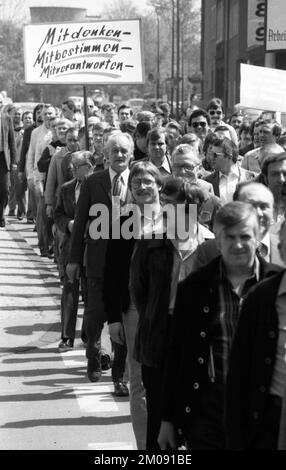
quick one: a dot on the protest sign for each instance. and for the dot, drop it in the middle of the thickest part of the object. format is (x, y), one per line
(104, 52)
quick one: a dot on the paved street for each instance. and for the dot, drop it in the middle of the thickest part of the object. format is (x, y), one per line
(46, 400)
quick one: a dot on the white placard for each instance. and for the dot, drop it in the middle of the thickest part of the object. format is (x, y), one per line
(263, 88)
(275, 34)
(104, 52)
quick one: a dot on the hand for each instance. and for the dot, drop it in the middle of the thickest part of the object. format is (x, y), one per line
(73, 271)
(116, 332)
(49, 211)
(167, 436)
(70, 225)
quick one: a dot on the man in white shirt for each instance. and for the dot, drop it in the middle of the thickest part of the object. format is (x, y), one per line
(262, 199)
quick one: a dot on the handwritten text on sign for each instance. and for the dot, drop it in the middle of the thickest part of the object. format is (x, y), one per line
(97, 52)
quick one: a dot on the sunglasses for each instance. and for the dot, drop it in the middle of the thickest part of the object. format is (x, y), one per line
(212, 112)
(199, 124)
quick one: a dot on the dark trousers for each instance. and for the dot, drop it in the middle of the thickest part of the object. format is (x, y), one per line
(206, 430)
(266, 437)
(4, 185)
(69, 308)
(152, 380)
(17, 194)
(95, 319)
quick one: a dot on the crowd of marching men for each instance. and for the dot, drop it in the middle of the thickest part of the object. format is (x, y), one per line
(195, 297)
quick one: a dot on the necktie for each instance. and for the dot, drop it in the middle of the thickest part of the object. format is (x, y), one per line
(77, 191)
(118, 186)
(262, 249)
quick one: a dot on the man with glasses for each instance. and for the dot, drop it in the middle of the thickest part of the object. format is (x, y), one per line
(227, 173)
(186, 164)
(216, 114)
(82, 167)
(199, 123)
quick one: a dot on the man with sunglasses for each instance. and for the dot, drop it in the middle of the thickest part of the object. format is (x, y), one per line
(199, 123)
(227, 173)
(216, 114)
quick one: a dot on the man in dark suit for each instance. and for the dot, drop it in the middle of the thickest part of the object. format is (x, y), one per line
(82, 166)
(205, 318)
(227, 172)
(7, 161)
(109, 189)
(256, 377)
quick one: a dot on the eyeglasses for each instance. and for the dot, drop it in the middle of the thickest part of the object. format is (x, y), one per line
(136, 183)
(199, 124)
(218, 154)
(186, 169)
(76, 167)
(212, 112)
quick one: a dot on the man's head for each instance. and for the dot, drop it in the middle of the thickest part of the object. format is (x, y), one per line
(27, 119)
(90, 106)
(108, 111)
(145, 116)
(72, 140)
(157, 145)
(61, 126)
(199, 123)
(236, 227)
(129, 126)
(82, 164)
(119, 150)
(124, 113)
(16, 115)
(215, 111)
(225, 154)
(261, 198)
(274, 172)
(144, 182)
(48, 113)
(236, 120)
(97, 136)
(244, 135)
(68, 109)
(37, 114)
(173, 135)
(269, 132)
(186, 162)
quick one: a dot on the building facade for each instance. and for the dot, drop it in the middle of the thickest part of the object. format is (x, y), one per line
(232, 33)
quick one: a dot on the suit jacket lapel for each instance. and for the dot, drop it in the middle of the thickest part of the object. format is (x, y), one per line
(106, 183)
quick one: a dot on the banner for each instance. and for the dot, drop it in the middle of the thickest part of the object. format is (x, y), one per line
(263, 88)
(275, 34)
(103, 52)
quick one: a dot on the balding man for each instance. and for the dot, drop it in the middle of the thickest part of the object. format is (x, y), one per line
(105, 188)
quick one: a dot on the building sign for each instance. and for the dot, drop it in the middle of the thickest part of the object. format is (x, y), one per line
(255, 25)
(275, 35)
(263, 88)
(102, 52)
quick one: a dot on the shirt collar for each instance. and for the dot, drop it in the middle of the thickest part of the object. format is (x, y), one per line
(166, 165)
(234, 173)
(124, 175)
(255, 270)
(266, 241)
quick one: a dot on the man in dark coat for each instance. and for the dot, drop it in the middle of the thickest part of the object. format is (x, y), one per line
(205, 319)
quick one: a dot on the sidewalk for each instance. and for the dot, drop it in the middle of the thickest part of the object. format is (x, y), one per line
(46, 400)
